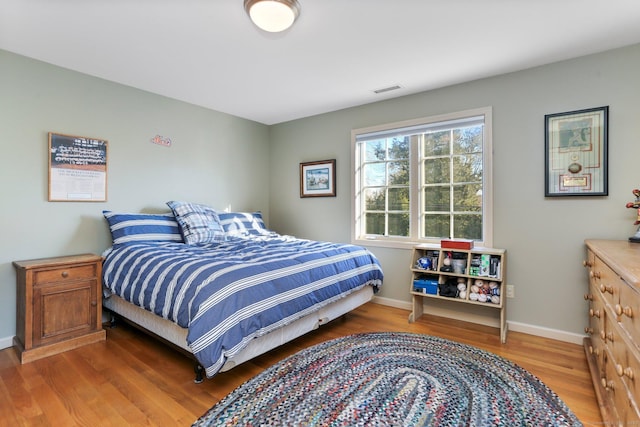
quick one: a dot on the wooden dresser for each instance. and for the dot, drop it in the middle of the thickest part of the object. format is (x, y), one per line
(613, 342)
(59, 305)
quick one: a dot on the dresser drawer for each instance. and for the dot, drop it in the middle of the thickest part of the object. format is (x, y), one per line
(71, 272)
(628, 313)
(597, 315)
(619, 394)
(606, 281)
(625, 363)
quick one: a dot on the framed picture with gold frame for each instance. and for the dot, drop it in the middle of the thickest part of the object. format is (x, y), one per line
(77, 168)
(318, 179)
(576, 144)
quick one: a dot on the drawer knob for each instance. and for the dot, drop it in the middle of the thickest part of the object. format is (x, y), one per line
(588, 330)
(594, 313)
(65, 274)
(606, 288)
(588, 297)
(606, 336)
(627, 311)
(628, 372)
(594, 274)
(618, 309)
(607, 384)
(586, 263)
(94, 303)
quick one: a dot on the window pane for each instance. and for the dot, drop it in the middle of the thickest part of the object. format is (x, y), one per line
(468, 226)
(399, 148)
(437, 199)
(467, 140)
(467, 198)
(399, 224)
(467, 168)
(436, 171)
(399, 199)
(437, 226)
(374, 199)
(374, 174)
(436, 143)
(398, 173)
(374, 150)
(374, 223)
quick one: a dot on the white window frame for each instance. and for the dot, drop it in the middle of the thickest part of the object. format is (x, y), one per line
(358, 237)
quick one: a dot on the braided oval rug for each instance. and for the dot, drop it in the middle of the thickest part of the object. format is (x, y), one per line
(392, 379)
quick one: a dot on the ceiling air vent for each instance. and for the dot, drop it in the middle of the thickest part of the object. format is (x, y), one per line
(387, 89)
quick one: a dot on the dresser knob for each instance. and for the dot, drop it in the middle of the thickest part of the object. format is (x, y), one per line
(606, 384)
(618, 309)
(94, 303)
(628, 311)
(629, 373)
(588, 330)
(606, 336)
(606, 288)
(594, 274)
(588, 297)
(586, 263)
(594, 313)
(65, 274)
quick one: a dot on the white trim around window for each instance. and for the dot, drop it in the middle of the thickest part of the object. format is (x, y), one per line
(413, 127)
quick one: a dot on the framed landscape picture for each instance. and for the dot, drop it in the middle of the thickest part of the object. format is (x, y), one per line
(318, 179)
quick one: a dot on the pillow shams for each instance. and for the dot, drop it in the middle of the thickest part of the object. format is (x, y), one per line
(198, 223)
(133, 227)
(242, 223)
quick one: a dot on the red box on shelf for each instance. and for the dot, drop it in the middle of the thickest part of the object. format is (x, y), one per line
(456, 244)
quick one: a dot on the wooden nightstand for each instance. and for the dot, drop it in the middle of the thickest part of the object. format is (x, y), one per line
(59, 305)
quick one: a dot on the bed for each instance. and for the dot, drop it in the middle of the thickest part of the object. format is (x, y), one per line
(222, 287)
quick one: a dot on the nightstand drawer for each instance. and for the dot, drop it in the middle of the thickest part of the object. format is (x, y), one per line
(71, 272)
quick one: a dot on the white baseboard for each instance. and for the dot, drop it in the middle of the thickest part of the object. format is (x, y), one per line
(539, 331)
(459, 315)
(6, 342)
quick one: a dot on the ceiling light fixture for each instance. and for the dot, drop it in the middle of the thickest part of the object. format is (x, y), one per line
(272, 15)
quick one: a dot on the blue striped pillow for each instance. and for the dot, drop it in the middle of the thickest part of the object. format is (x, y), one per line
(242, 223)
(198, 223)
(134, 227)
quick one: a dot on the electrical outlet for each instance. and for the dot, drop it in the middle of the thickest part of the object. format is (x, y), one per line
(511, 291)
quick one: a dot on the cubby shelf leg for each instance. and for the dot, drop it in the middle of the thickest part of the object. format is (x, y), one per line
(417, 309)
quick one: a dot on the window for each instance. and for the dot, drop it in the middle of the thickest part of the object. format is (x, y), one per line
(423, 180)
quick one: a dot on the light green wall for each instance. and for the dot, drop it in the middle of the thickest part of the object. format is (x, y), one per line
(543, 237)
(215, 158)
(226, 161)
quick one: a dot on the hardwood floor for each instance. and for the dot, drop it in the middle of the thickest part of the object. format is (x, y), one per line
(132, 379)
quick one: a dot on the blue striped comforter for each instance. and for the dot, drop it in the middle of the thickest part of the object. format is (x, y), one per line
(227, 293)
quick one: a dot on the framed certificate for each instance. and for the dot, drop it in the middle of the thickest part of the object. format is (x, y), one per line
(576, 153)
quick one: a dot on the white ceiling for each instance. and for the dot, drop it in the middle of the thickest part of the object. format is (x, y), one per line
(208, 53)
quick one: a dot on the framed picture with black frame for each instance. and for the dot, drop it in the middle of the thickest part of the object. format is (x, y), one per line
(576, 144)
